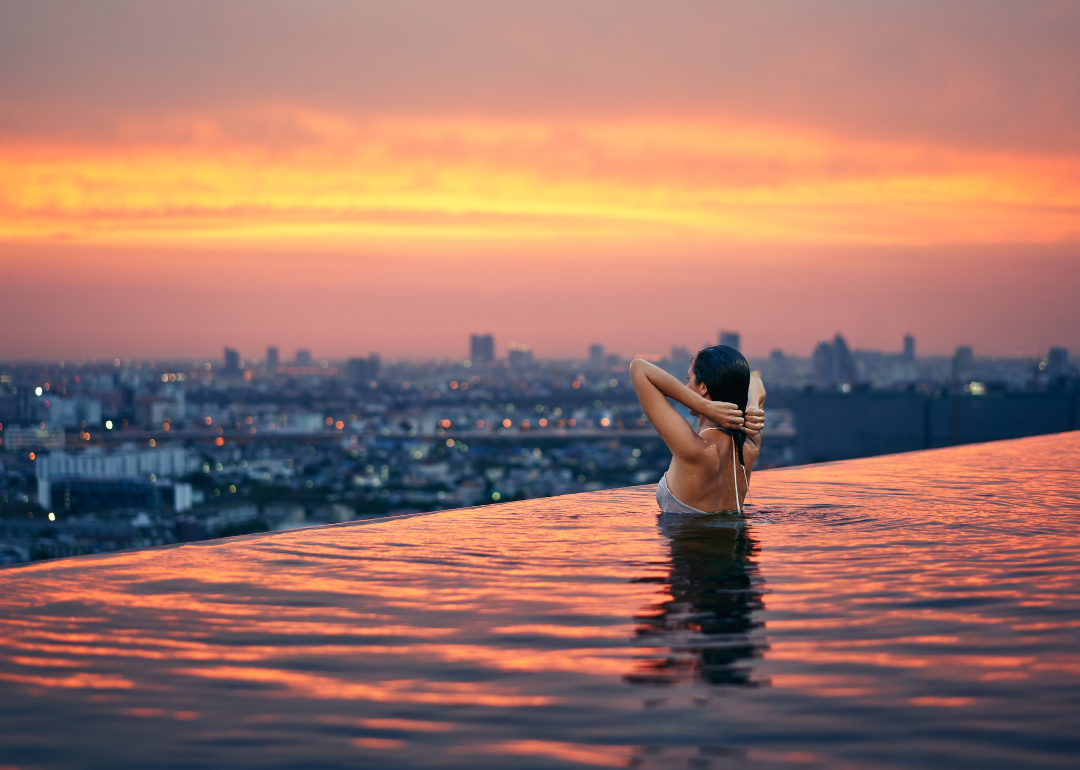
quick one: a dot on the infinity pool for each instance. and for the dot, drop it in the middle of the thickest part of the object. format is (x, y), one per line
(917, 610)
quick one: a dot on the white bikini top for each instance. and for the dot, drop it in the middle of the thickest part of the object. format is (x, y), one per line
(734, 471)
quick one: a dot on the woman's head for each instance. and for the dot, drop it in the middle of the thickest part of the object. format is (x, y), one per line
(726, 377)
(724, 373)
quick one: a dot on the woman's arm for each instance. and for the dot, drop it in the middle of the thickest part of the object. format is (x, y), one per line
(755, 403)
(755, 416)
(654, 386)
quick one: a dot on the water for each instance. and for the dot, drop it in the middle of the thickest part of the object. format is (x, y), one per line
(918, 610)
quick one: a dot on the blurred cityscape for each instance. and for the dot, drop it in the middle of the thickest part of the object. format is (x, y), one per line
(105, 455)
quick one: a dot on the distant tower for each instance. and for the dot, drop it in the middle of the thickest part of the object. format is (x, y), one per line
(1057, 363)
(482, 348)
(680, 362)
(778, 366)
(824, 367)
(843, 362)
(731, 339)
(520, 354)
(303, 358)
(272, 359)
(909, 347)
(963, 360)
(232, 363)
(596, 356)
(362, 371)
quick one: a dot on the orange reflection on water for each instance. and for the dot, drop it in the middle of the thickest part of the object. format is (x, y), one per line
(890, 591)
(403, 691)
(81, 681)
(601, 756)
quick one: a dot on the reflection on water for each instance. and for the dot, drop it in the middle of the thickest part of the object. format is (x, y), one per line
(704, 625)
(921, 610)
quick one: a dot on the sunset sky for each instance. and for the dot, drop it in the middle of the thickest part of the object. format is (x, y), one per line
(392, 176)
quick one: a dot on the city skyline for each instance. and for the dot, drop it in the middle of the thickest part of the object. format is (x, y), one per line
(500, 349)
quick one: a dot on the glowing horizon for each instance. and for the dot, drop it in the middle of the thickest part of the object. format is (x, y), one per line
(342, 183)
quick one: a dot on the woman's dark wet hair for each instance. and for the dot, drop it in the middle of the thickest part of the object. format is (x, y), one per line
(727, 378)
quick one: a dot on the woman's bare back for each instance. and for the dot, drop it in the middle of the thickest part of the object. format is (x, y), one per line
(711, 480)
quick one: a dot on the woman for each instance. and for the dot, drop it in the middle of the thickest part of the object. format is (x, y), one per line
(710, 469)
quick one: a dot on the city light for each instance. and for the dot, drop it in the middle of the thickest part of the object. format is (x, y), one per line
(604, 437)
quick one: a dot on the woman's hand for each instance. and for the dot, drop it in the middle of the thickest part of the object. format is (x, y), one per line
(754, 422)
(722, 413)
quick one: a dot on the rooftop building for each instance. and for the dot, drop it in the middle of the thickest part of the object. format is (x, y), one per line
(731, 339)
(482, 348)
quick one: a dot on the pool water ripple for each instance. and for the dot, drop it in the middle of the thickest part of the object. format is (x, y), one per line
(918, 610)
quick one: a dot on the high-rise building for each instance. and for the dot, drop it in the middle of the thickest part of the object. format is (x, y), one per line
(778, 365)
(833, 363)
(303, 358)
(843, 362)
(731, 339)
(596, 356)
(823, 364)
(520, 354)
(482, 348)
(362, 371)
(232, 363)
(1057, 363)
(273, 360)
(680, 361)
(909, 347)
(963, 362)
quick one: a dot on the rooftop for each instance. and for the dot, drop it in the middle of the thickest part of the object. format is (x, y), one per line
(904, 611)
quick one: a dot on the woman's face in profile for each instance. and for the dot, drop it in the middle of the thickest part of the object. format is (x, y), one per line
(692, 382)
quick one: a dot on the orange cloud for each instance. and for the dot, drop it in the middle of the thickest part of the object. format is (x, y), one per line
(295, 177)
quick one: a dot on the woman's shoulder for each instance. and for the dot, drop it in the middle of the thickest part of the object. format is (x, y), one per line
(720, 438)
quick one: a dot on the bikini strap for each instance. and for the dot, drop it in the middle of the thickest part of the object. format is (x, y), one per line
(734, 467)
